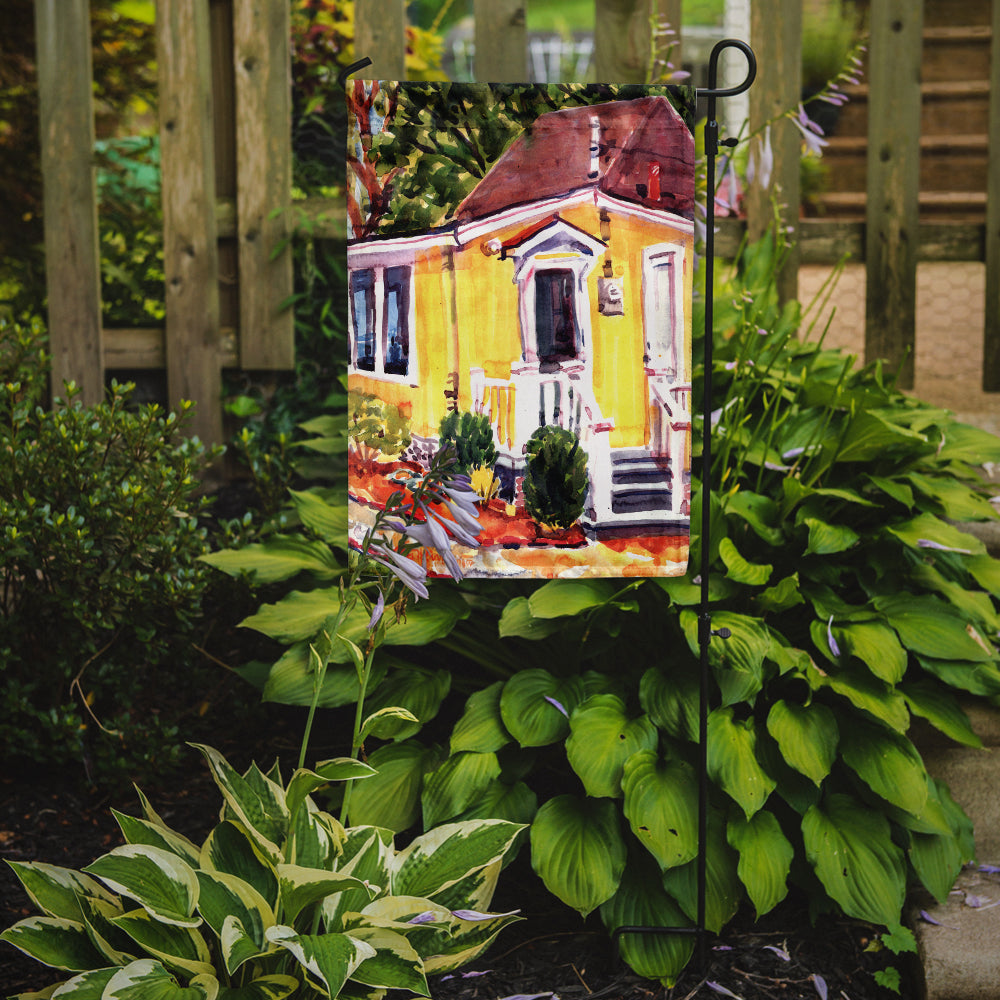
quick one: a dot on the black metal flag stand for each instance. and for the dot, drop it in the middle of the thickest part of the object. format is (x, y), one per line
(705, 631)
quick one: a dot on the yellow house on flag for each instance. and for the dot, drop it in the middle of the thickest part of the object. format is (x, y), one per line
(547, 324)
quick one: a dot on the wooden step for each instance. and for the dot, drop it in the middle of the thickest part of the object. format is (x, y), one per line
(955, 206)
(956, 53)
(940, 13)
(947, 162)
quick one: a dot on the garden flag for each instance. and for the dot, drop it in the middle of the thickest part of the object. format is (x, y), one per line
(520, 261)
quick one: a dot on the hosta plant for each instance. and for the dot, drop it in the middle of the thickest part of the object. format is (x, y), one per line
(279, 900)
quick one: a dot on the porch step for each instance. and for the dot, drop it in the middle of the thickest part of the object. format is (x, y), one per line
(640, 483)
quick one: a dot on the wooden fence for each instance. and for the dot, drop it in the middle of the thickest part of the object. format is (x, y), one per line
(226, 161)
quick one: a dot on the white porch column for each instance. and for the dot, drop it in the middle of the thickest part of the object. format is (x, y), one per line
(736, 24)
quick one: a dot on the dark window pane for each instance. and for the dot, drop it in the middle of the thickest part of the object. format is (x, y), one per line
(363, 314)
(397, 319)
(555, 315)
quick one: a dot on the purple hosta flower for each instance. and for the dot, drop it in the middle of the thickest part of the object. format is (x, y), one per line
(780, 952)
(465, 975)
(475, 915)
(812, 134)
(377, 612)
(552, 701)
(531, 996)
(834, 648)
(719, 988)
(927, 543)
(427, 917)
(760, 166)
(431, 535)
(820, 983)
(927, 918)
(409, 573)
(727, 197)
(990, 869)
(792, 453)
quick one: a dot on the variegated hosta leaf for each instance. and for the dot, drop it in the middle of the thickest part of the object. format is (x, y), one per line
(86, 986)
(481, 727)
(256, 801)
(56, 891)
(141, 831)
(602, 737)
(367, 853)
(535, 706)
(395, 964)
(468, 939)
(732, 760)
(224, 898)
(328, 959)
(55, 941)
(578, 851)
(158, 880)
(230, 849)
(116, 946)
(723, 889)
(456, 784)
(476, 890)
(441, 857)
(301, 887)
(149, 980)
(807, 736)
(642, 902)
(661, 805)
(765, 858)
(304, 782)
(315, 838)
(850, 847)
(275, 987)
(177, 947)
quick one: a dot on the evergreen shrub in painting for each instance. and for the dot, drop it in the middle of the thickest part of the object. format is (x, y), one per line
(471, 435)
(555, 478)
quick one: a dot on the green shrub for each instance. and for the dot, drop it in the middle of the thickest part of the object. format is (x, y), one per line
(377, 426)
(555, 478)
(471, 435)
(99, 539)
(280, 899)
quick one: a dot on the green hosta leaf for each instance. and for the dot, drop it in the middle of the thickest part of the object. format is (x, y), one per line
(578, 851)
(292, 681)
(56, 891)
(807, 736)
(974, 604)
(517, 620)
(180, 948)
(893, 488)
(758, 511)
(304, 782)
(941, 709)
(260, 809)
(723, 889)
(937, 859)
(230, 849)
(876, 646)
(932, 628)
(957, 501)
(330, 959)
(869, 436)
(391, 798)
(928, 528)
(888, 763)
(456, 784)
(976, 678)
(417, 690)
(827, 539)
(850, 847)
(438, 859)
(783, 595)
(149, 980)
(641, 901)
(481, 728)
(535, 706)
(516, 803)
(965, 443)
(141, 831)
(386, 723)
(671, 699)
(865, 692)
(280, 557)
(986, 572)
(738, 661)
(560, 598)
(160, 882)
(739, 569)
(276, 987)
(395, 964)
(661, 799)
(301, 887)
(765, 858)
(602, 738)
(54, 941)
(327, 520)
(225, 897)
(732, 760)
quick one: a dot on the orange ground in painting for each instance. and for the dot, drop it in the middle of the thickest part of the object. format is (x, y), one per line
(514, 545)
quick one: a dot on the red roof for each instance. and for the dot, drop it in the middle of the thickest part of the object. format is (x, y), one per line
(640, 151)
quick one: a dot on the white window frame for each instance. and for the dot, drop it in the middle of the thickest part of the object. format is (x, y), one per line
(659, 364)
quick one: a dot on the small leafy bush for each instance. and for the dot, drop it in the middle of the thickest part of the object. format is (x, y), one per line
(555, 478)
(376, 426)
(471, 435)
(280, 899)
(99, 578)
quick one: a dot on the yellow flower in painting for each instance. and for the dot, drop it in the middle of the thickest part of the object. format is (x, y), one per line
(484, 484)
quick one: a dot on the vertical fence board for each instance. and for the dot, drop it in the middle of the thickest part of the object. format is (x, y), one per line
(776, 34)
(501, 41)
(991, 333)
(621, 40)
(261, 57)
(667, 47)
(380, 34)
(190, 254)
(893, 183)
(72, 256)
